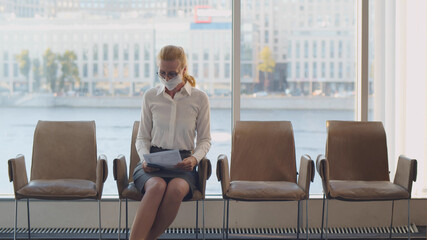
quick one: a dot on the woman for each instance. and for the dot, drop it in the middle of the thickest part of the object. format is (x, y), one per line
(171, 116)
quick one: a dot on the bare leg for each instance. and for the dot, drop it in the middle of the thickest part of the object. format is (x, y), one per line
(176, 190)
(154, 190)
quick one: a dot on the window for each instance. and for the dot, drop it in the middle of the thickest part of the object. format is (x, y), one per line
(206, 54)
(323, 70)
(136, 52)
(85, 53)
(5, 70)
(205, 70)
(146, 52)
(116, 52)
(306, 70)
(95, 70)
(306, 49)
(126, 52)
(15, 70)
(146, 70)
(314, 70)
(314, 49)
(106, 70)
(105, 52)
(227, 70)
(136, 70)
(323, 49)
(304, 76)
(95, 52)
(316, 37)
(85, 70)
(195, 70)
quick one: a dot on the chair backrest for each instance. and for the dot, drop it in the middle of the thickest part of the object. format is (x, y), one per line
(263, 151)
(357, 151)
(64, 150)
(134, 157)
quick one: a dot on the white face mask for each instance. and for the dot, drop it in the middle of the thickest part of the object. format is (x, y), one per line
(172, 83)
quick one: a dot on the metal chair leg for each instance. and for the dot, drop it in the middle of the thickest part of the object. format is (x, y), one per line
(323, 216)
(99, 218)
(197, 219)
(120, 217)
(306, 219)
(409, 219)
(228, 210)
(127, 227)
(223, 220)
(203, 215)
(16, 219)
(28, 216)
(327, 212)
(391, 220)
(298, 219)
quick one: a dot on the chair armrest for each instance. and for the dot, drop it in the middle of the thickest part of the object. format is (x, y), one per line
(205, 171)
(322, 166)
(306, 175)
(101, 174)
(223, 174)
(17, 172)
(120, 173)
(406, 172)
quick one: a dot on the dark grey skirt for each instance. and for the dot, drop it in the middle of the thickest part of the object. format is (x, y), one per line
(140, 177)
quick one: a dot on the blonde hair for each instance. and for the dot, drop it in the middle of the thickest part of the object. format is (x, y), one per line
(171, 53)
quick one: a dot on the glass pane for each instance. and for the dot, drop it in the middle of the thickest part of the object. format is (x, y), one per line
(296, 70)
(111, 63)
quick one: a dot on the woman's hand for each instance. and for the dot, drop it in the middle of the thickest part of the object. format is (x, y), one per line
(187, 164)
(148, 169)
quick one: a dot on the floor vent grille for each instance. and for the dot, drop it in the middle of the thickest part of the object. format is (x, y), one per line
(400, 232)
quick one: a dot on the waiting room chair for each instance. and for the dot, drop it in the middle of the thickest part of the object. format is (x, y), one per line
(355, 167)
(263, 167)
(64, 166)
(127, 189)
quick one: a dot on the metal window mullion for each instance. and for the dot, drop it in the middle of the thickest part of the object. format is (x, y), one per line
(362, 60)
(235, 81)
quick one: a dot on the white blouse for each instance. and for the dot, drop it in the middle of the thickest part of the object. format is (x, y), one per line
(173, 123)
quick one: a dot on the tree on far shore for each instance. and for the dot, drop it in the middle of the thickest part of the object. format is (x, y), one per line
(37, 74)
(267, 65)
(24, 63)
(69, 69)
(50, 69)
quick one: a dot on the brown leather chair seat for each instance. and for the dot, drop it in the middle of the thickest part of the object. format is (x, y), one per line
(131, 192)
(265, 191)
(366, 190)
(59, 189)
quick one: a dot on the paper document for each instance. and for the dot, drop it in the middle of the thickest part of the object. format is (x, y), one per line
(163, 160)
